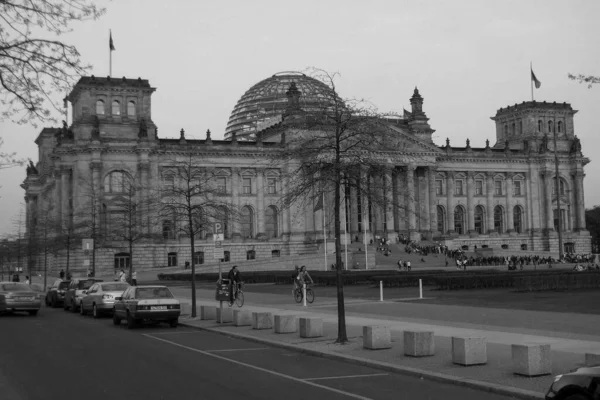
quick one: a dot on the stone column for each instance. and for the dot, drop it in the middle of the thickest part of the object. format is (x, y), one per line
(432, 202)
(144, 195)
(580, 203)
(426, 214)
(353, 211)
(533, 199)
(470, 207)
(234, 223)
(65, 195)
(389, 203)
(260, 204)
(285, 229)
(364, 176)
(548, 201)
(509, 203)
(489, 189)
(410, 194)
(57, 203)
(450, 202)
(377, 207)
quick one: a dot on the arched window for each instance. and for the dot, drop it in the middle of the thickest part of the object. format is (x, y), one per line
(441, 219)
(117, 182)
(479, 220)
(514, 129)
(561, 185)
(499, 219)
(247, 219)
(520, 127)
(222, 215)
(505, 129)
(518, 219)
(459, 220)
(539, 125)
(563, 219)
(550, 126)
(99, 107)
(271, 222)
(131, 109)
(167, 229)
(559, 127)
(116, 107)
(200, 222)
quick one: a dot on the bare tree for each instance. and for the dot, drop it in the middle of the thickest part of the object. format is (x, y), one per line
(9, 160)
(193, 202)
(88, 217)
(65, 239)
(46, 242)
(590, 80)
(33, 69)
(341, 145)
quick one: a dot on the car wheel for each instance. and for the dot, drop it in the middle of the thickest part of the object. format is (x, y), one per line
(81, 309)
(53, 304)
(130, 321)
(95, 311)
(33, 313)
(65, 306)
(73, 307)
(173, 323)
(577, 397)
(116, 320)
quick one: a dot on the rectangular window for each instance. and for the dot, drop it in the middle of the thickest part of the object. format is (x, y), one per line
(247, 185)
(458, 188)
(222, 185)
(271, 185)
(478, 188)
(169, 182)
(517, 188)
(498, 188)
(439, 187)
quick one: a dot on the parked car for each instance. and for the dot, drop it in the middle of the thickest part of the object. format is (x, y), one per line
(16, 296)
(74, 294)
(100, 297)
(147, 303)
(581, 384)
(55, 296)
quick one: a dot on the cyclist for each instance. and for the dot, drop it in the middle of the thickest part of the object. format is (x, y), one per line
(303, 276)
(233, 276)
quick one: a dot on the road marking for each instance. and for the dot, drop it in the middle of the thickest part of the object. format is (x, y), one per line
(224, 350)
(344, 377)
(175, 333)
(292, 378)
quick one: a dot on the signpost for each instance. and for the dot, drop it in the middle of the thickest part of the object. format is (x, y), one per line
(218, 237)
(87, 245)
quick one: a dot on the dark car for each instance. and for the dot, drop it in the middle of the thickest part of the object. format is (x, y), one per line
(76, 290)
(16, 296)
(146, 303)
(55, 296)
(581, 384)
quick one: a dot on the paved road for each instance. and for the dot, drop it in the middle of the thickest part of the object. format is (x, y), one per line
(60, 355)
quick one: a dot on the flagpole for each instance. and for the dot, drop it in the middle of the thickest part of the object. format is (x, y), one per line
(531, 80)
(324, 232)
(110, 54)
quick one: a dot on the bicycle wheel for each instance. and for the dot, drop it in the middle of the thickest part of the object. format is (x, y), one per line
(239, 300)
(298, 295)
(310, 295)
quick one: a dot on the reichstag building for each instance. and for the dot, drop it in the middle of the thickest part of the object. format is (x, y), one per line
(501, 196)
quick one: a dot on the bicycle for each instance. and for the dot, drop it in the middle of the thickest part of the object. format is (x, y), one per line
(238, 296)
(310, 295)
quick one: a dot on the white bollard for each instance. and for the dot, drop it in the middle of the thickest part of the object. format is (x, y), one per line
(304, 293)
(380, 290)
(420, 289)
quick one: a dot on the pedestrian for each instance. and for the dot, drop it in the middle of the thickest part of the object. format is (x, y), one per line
(408, 265)
(123, 276)
(134, 278)
(62, 274)
(400, 265)
(27, 282)
(187, 265)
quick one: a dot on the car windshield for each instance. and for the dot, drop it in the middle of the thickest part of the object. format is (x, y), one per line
(85, 284)
(15, 287)
(63, 285)
(114, 287)
(153, 293)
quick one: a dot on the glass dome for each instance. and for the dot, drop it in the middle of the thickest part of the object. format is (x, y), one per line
(265, 102)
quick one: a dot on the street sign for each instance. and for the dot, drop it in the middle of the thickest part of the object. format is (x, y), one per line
(86, 252)
(222, 290)
(87, 244)
(218, 244)
(218, 237)
(218, 228)
(219, 253)
(86, 263)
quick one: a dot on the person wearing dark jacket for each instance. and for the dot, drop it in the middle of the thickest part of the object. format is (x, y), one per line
(233, 276)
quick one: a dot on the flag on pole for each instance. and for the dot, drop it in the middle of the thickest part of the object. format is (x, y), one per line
(535, 80)
(112, 45)
(319, 205)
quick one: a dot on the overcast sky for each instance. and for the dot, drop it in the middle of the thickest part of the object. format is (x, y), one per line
(467, 57)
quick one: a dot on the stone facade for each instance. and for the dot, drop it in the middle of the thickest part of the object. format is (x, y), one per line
(500, 196)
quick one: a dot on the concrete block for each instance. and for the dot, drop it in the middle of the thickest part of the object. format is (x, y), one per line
(418, 343)
(469, 350)
(227, 314)
(262, 320)
(208, 312)
(377, 337)
(285, 323)
(186, 308)
(311, 327)
(242, 318)
(532, 359)
(592, 359)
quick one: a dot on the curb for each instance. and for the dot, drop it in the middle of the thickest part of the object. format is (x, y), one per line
(433, 376)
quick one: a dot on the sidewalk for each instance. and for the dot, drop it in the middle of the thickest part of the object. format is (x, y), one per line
(496, 375)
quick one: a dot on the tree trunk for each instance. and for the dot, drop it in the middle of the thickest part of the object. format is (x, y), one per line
(342, 335)
(192, 240)
(130, 262)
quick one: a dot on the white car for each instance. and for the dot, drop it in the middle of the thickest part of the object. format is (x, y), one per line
(147, 303)
(100, 298)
